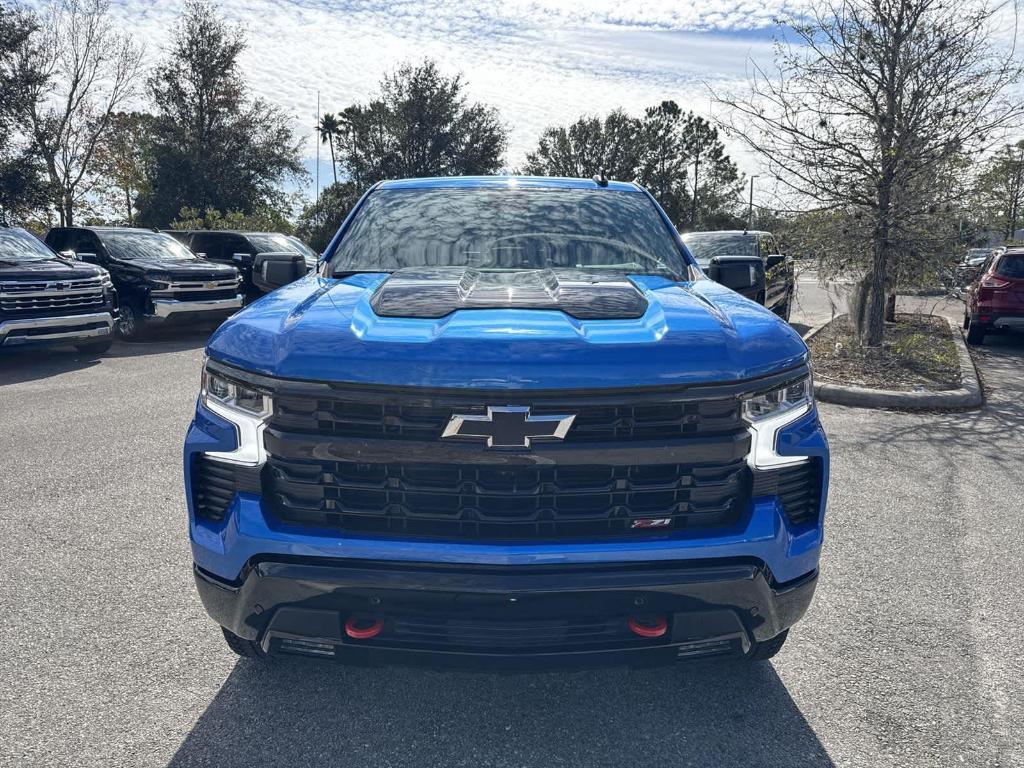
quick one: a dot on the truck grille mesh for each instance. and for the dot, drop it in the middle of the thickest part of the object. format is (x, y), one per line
(501, 502)
(426, 420)
(55, 295)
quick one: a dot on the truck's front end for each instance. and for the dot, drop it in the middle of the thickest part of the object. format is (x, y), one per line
(508, 419)
(48, 300)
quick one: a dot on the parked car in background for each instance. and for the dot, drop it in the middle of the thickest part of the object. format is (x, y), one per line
(750, 263)
(975, 257)
(970, 266)
(240, 248)
(509, 419)
(995, 299)
(158, 280)
(46, 299)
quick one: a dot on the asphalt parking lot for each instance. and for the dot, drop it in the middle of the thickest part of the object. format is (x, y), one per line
(910, 655)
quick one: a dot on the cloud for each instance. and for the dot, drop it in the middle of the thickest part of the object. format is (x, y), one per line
(540, 62)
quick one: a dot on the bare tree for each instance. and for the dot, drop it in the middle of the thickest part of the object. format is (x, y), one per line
(89, 72)
(999, 190)
(872, 104)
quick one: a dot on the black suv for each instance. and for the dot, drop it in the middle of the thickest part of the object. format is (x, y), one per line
(749, 262)
(45, 299)
(241, 248)
(158, 280)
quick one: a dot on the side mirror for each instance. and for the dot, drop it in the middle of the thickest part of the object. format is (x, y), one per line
(92, 258)
(775, 260)
(272, 270)
(742, 275)
(243, 258)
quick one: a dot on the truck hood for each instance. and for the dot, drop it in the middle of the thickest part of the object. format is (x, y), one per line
(326, 330)
(48, 269)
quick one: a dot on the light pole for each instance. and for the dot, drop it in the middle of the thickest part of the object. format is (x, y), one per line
(750, 212)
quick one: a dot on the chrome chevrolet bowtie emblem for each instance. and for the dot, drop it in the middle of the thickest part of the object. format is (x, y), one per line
(508, 427)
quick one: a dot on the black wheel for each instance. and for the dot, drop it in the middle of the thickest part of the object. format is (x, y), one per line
(784, 310)
(967, 320)
(975, 333)
(130, 325)
(766, 649)
(94, 347)
(244, 648)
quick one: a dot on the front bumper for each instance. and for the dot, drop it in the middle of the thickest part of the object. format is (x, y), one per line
(55, 330)
(564, 614)
(164, 309)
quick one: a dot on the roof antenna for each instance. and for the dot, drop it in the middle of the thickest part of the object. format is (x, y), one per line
(600, 178)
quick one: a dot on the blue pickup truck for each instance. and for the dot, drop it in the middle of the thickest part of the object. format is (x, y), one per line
(506, 419)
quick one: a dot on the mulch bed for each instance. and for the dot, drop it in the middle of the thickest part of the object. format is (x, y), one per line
(917, 354)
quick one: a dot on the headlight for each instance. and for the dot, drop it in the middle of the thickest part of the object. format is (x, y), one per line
(159, 285)
(778, 401)
(105, 280)
(767, 413)
(246, 408)
(222, 391)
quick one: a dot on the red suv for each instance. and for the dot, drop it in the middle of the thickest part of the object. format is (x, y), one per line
(996, 298)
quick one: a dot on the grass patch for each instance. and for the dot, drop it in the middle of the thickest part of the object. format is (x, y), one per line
(918, 354)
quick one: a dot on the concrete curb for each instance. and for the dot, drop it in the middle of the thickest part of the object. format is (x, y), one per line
(968, 395)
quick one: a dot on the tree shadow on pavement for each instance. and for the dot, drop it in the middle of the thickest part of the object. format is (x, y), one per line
(992, 431)
(299, 712)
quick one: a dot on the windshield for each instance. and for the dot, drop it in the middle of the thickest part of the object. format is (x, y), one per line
(272, 243)
(155, 246)
(706, 245)
(302, 248)
(17, 245)
(508, 229)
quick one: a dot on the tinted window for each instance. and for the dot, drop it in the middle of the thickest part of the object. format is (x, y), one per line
(706, 245)
(304, 249)
(509, 228)
(271, 243)
(205, 244)
(19, 245)
(1011, 265)
(145, 245)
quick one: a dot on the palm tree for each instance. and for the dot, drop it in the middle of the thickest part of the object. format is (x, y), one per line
(328, 129)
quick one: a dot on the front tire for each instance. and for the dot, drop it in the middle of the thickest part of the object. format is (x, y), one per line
(130, 325)
(94, 348)
(247, 649)
(784, 310)
(766, 649)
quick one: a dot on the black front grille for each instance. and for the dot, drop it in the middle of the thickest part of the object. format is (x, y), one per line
(798, 489)
(215, 483)
(496, 502)
(425, 419)
(49, 297)
(228, 293)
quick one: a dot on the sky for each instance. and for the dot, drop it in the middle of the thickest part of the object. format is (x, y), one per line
(540, 62)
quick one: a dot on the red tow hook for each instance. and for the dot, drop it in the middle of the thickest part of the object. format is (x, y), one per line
(649, 626)
(363, 629)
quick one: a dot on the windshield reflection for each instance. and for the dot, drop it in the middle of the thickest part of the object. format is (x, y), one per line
(511, 228)
(149, 246)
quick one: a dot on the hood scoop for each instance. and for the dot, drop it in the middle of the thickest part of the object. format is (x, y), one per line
(430, 293)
